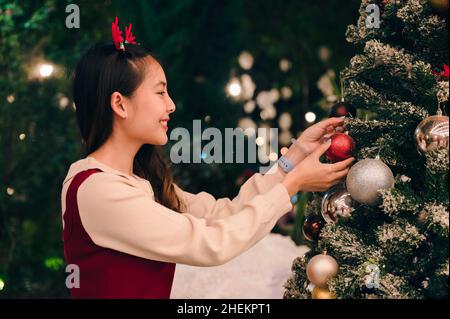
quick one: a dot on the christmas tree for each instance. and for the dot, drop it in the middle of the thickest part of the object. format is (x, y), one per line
(384, 232)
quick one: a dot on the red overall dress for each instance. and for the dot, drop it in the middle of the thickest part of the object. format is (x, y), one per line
(107, 273)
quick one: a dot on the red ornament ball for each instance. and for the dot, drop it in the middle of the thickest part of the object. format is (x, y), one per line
(312, 226)
(342, 147)
(342, 109)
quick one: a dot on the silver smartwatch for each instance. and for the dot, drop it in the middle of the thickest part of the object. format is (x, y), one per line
(285, 164)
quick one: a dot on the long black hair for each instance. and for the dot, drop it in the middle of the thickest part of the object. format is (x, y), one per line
(101, 71)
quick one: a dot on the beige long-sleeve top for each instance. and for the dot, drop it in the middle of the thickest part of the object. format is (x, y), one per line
(119, 212)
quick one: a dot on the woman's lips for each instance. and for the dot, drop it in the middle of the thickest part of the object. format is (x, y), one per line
(164, 124)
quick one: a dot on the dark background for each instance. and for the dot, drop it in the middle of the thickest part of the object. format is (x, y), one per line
(199, 43)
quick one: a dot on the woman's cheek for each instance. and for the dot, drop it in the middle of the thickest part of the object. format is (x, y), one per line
(143, 127)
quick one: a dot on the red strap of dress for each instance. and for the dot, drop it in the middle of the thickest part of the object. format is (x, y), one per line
(71, 200)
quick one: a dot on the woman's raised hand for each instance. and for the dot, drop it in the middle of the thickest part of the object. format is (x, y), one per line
(312, 138)
(311, 175)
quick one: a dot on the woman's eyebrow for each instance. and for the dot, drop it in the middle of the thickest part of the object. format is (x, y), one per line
(161, 82)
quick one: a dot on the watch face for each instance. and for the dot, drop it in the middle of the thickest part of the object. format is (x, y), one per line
(285, 164)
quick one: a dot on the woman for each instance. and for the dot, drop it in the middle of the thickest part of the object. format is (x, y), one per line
(125, 223)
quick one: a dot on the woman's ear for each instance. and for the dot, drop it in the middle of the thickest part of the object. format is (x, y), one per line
(118, 105)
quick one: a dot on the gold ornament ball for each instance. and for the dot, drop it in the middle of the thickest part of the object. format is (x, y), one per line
(432, 134)
(439, 5)
(320, 269)
(322, 293)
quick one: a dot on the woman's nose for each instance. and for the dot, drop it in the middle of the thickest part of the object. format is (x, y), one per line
(172, 106)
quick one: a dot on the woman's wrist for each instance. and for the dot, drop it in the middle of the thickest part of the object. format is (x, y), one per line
(280, 171)
(297, 152)
(293, 186)
(289, 188)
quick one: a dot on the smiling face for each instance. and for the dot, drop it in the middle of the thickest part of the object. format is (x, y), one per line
(148, 109)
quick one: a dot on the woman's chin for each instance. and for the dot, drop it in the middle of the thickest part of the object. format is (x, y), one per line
(162, 141)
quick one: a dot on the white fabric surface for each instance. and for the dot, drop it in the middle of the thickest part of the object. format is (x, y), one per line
(258, 273)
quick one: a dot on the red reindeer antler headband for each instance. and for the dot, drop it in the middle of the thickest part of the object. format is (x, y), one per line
(118, 38)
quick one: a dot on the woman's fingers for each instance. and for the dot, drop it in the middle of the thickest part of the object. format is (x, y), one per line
(333, 121)
(330, 129)
(334, 129)
(333, 125)
(326, 137)
(341, 174)
(320, 150)
(343, 164)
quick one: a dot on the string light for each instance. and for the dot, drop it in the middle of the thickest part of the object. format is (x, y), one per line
(275, 95)
(248, 86)
(248, 126)
(286, 92)
(43, 69)
(324, 53)
(285, 121)
(10, 191)
(234, 88)
(46, 70)
(246, 60)
(268, 113)
(285, 137)
(310, 117)
(285, 65)
(249, 106)
(273, 156)
(10, 98)
(2, 284)
(22, 136)
(263, 115)
(259, 141)
(63, 102)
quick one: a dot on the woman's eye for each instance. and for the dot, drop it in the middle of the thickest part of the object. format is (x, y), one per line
(161, 93)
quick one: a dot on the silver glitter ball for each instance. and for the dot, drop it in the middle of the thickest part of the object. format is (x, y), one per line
(365, 178)
(432, 134)
(337, 203)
